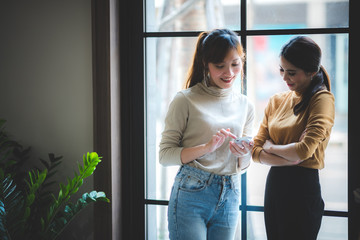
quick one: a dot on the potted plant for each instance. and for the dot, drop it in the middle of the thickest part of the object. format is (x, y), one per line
(28, 210)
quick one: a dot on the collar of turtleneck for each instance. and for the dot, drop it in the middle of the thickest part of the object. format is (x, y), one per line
(214, 90)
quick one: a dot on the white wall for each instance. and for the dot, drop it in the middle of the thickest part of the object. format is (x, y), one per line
(46, 84)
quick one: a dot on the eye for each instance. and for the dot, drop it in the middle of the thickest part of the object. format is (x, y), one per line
(219, 66)
(292, 73)
(235, 64)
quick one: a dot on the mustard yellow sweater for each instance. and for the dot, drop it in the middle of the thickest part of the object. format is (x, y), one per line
(283, 127)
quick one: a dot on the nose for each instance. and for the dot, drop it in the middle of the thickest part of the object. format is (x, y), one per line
(229, 72)
(285, 76)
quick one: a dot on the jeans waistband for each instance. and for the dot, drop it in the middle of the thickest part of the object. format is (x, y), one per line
(208, 176)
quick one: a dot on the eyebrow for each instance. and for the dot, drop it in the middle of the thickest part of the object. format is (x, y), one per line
(288, 70)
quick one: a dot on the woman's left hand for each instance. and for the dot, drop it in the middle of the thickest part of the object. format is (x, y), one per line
(268, 145)
(241, 150)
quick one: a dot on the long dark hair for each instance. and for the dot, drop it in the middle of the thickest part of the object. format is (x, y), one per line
(212, 47)
(304, 53)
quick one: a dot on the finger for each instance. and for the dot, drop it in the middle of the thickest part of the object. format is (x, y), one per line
(230, 134)
(222, 133)
(225, 131)
(248, 146)
(233, 149)
(237, 147)
(236, 150)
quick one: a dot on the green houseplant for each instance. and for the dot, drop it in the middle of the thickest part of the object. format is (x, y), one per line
(28, 210)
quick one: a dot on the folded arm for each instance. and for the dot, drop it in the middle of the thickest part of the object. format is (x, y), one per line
(275, 160)
(287, 151)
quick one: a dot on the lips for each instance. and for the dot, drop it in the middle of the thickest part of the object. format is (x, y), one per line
(227, 80)
(290, 84)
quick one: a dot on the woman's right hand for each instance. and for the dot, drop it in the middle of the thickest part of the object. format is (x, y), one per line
(191, 153)
(216, 141)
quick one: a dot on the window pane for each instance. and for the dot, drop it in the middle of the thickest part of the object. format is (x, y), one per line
(156, 220)
(256, 226)
(333, 228)
(282, 14)
(263, 80)
(167, 63)
(191, 15)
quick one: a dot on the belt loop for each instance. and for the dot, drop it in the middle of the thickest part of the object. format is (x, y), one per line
(232, 182)
(210, 178)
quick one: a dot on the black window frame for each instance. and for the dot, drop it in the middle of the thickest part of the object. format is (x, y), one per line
(132, 94)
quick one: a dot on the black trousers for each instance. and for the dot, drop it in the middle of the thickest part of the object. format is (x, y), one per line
(293, 205)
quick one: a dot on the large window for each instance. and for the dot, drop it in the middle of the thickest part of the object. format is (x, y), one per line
(171, 29)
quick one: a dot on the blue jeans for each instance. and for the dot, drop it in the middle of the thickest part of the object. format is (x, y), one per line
(203, 205)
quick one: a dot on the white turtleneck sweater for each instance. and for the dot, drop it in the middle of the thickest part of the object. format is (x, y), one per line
(195, 115)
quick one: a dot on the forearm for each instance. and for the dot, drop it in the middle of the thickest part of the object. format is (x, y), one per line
(191, 153)
(287, 151)
(244, 161)
(275, 160)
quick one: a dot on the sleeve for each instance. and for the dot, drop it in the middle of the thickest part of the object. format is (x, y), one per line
(175, 125)
(249, 124)
(320, 122)
(262, 135)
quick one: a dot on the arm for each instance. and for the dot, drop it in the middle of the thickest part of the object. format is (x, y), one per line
(319, 124)
(175, 125)
(287, 152)
(317, 129)
(274, 160)
(191, 153)
(261, 153)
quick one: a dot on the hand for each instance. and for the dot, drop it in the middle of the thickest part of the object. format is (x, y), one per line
(268, 145)
(216, 141)
(240, 150)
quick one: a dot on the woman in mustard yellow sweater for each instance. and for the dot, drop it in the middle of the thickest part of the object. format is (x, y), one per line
(292, 139)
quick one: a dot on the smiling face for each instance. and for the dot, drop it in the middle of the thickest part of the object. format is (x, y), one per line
(223, 74)
(296, 79)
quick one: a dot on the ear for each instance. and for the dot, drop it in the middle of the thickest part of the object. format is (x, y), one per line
(311, 74)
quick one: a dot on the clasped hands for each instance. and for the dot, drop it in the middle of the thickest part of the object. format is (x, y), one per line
(238, 150)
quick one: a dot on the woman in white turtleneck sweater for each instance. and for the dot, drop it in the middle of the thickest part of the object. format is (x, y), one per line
(199, 126)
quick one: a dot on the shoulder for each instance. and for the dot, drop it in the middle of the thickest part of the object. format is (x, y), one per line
(185, 96)
(323, 95)
(322, 101)
(179, 101)
(189, 92)
(322, 104)
(277, 98)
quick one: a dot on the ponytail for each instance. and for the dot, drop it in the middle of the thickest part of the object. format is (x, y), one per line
(320, 81)
(326, 77)
(197, 70)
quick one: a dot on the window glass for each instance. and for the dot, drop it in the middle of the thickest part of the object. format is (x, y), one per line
(284, 14)
(156, 224)
(333, 228)
(191, 15)
(256, 226)
(263, 80)
(167, 63)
